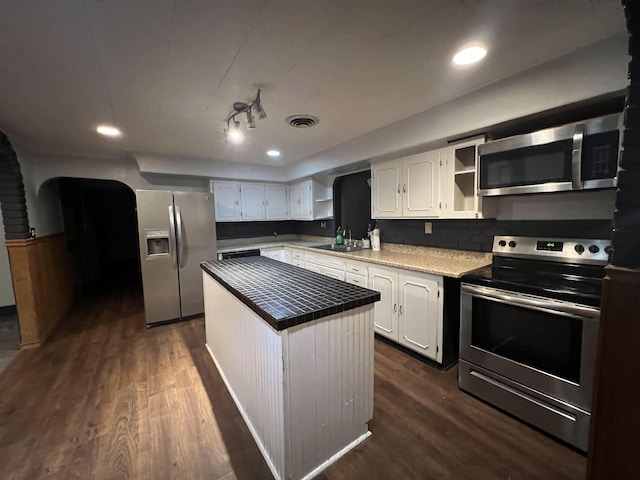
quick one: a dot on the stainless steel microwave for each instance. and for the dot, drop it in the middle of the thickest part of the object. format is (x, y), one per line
(576, 156)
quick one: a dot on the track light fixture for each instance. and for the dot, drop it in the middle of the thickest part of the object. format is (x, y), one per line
(232, 132)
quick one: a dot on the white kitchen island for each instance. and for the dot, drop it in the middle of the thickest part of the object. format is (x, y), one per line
(295, 350)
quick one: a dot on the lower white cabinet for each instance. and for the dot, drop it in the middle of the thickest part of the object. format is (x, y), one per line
(327, 265)
(410, 310)
(385, 317)
(275, 253)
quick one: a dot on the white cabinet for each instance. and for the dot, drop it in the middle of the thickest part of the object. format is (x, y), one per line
(385, 281)
(407, 187)
(441, 183)
(410, 310)
(226, 197)
(386, 190)
(237, 201)
(275, 253)
(458, 188)
(420, 185)
(356, 273)
(301, 200)
(275, 197)
(420, 314)
(253, 204)
(327, 265)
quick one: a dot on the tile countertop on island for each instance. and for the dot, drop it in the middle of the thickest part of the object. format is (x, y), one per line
(436, 261)
(285, 295)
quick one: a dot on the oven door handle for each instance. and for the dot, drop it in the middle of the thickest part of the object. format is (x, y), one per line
(535, 303)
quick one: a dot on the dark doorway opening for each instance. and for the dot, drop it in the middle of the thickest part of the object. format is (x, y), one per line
(102, 234)
(352, 202)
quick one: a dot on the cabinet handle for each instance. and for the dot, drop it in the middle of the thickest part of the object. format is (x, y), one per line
(398, 188)
(395, 307)
(404, 188)
(400, 310)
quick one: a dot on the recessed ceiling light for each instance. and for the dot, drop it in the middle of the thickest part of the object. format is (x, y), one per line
(273, 153)
(469, 55)
(108, 131)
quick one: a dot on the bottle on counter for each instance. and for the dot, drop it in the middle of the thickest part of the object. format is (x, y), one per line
(339, 236)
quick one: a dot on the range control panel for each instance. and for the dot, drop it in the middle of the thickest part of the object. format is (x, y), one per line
(567, 250)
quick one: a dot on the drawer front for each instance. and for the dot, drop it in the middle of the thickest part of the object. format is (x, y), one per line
(356, 268)
(356, 279)
(297, 255)
(297, 263)
(325, 261)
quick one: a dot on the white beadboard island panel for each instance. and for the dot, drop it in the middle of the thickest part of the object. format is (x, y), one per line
(306, 393)
(248, 355)
(330, 389)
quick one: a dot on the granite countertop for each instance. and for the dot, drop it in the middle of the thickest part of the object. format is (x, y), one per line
(436, 261)
(285, 295)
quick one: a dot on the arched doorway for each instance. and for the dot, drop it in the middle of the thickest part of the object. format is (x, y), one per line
(102, 235)
(16, 227)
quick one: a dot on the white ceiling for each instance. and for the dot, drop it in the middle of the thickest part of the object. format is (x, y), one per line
(167, 72)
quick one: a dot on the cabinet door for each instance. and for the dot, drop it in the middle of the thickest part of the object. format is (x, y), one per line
(252, 201)
(420, 314)
(386, 197)
(305, 191)
(385, 313)
(287, 256)
(275, 197)
(445, 202)
(227, 200)
(420, 185)
(294, 201)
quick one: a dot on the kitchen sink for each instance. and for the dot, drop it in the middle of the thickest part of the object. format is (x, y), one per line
(339, 248)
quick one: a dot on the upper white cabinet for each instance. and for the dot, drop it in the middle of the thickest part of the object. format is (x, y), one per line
(441, 183)
(253, 203)
(276, 202)
(301, 200)
(420, 185)
(407, 187)
(458, 183)
(386, 189)
(237, 201)
(226, 196)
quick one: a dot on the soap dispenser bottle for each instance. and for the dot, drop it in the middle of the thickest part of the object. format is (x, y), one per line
(339, 236)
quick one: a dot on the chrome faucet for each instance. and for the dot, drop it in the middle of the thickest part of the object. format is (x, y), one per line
(345, 234)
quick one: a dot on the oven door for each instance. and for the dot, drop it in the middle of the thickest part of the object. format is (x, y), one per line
(544, 344)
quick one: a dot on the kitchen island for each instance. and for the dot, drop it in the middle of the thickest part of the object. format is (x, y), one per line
(295, 350)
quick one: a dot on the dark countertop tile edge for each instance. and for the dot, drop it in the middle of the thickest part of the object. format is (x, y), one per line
(288, 322)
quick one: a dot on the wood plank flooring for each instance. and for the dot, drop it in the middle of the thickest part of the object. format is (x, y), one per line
(105, 398)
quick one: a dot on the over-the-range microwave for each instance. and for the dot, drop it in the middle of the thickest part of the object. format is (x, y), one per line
(576, 156)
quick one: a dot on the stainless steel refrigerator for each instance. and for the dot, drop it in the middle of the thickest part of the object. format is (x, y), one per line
(177, 231)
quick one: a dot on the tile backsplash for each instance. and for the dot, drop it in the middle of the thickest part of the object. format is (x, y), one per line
(477, 235)
(230, 230)
(474, 235)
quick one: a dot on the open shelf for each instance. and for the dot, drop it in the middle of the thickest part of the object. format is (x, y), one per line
(464, 193)
(465, 158)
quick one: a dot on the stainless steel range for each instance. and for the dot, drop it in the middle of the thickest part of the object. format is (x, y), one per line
(529, 329)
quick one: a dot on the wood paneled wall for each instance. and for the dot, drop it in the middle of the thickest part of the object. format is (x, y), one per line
(42, 284)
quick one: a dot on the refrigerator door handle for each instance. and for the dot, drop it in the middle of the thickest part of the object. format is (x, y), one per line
(172, 238)
(179, 230)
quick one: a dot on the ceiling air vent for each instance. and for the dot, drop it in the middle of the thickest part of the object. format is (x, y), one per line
(302, 121)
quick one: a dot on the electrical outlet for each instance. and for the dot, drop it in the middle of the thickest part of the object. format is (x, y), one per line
(428, 228)
(323, 224)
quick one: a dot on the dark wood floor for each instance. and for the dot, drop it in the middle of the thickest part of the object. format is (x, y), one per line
(106, 398)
